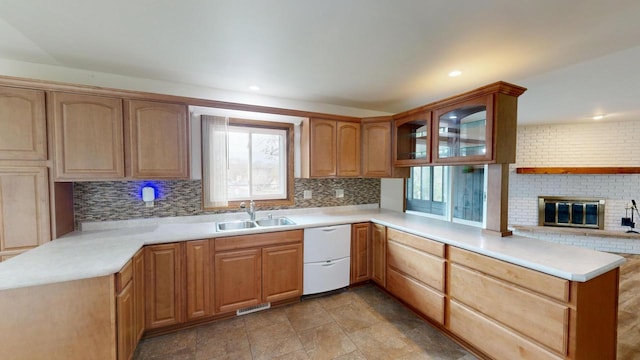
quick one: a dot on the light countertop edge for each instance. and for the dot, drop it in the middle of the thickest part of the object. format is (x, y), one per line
(82, 255)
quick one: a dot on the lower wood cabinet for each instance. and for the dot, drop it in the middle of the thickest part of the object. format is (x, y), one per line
(138, 294)
(253, 269)
(379, 254)
(130, 306)
(238, 281)
(199, 279)
(163, 285)
(281, 272)
(416, 272)
(360, 252)
(125, 308)
(24, 209)
(528, 314)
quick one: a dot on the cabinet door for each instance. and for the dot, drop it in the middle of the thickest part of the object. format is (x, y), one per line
(237, 279)
(23, 128)
(163, 285)
(376, 149)
(24, 208)
(282, 272)
(360, 252)
(87, 137)
(464, 131)
(379, 254)
(198, 279)
(323, 148)
(413, 139)
(157, 140)
(348, 150)
(125, 305)
(138, 294)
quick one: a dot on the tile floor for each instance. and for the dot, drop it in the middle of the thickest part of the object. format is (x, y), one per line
(362, 323)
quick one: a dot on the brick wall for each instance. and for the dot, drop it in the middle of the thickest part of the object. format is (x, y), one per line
(602, 143)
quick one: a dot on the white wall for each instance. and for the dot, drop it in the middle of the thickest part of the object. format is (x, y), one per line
(392, 194)
(83, 77)
(602, 143)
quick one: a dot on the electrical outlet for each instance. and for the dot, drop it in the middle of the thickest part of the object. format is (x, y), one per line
(307, 194)
(339, 193)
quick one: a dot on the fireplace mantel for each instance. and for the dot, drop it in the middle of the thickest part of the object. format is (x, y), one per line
(577, 170)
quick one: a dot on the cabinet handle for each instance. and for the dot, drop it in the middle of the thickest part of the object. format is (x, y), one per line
(328, 263)
(329, 229)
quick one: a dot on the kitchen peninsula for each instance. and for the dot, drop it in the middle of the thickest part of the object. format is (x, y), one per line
(82, 258)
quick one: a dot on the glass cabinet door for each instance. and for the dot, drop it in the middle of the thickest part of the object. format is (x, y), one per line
(413, 139)
(464, 131)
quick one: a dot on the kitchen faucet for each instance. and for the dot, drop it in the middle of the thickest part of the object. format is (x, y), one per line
(251, 210)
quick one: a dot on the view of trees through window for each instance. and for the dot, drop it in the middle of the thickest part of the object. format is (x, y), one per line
(257, 163)
(449, 192)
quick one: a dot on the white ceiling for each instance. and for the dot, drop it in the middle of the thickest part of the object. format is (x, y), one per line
(576, 57)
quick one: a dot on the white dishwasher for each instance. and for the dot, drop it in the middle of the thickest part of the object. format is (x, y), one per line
(327, 258)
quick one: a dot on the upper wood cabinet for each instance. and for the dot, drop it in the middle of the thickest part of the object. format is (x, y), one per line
(23, 128)
(348, 150)
(463, 132)
(330, 148)
(157, 140)
(413, 139)
(377, 154)
(88, 137)
(24, 209)
(476, 127)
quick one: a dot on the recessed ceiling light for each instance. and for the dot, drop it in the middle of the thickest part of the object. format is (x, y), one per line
(254, 87)
(598, 117)
(455, 73)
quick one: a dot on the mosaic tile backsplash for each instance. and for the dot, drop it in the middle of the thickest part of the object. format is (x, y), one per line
(121, 200)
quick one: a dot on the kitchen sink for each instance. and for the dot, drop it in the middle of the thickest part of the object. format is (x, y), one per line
(235, 225)
(243, 225)
(280, 221)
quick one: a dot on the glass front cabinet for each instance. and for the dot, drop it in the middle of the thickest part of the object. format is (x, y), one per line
(413, 139)
(477, 127)
(462, 132)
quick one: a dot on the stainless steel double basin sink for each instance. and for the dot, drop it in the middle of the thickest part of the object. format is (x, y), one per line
(248, 224)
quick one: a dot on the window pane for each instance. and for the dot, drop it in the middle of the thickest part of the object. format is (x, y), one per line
(468, 193)
(267, 177)
(425, 190)
(239, 160)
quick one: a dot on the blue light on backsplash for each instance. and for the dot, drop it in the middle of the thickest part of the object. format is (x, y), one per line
(156, 186)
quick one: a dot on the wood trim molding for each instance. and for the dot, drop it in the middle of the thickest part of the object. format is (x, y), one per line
(141, 95)
(577, 170)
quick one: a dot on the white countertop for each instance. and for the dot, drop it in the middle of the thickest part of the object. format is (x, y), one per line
(106, 247)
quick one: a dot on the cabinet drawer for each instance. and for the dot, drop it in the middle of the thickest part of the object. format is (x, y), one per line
(545, 284)
(492, 338)
(424, 299)
(420, 243)
(534, 316)
(426, 268)
(124, 276)
(257, 240)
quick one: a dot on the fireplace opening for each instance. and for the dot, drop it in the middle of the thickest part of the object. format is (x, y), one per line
(571, 212)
